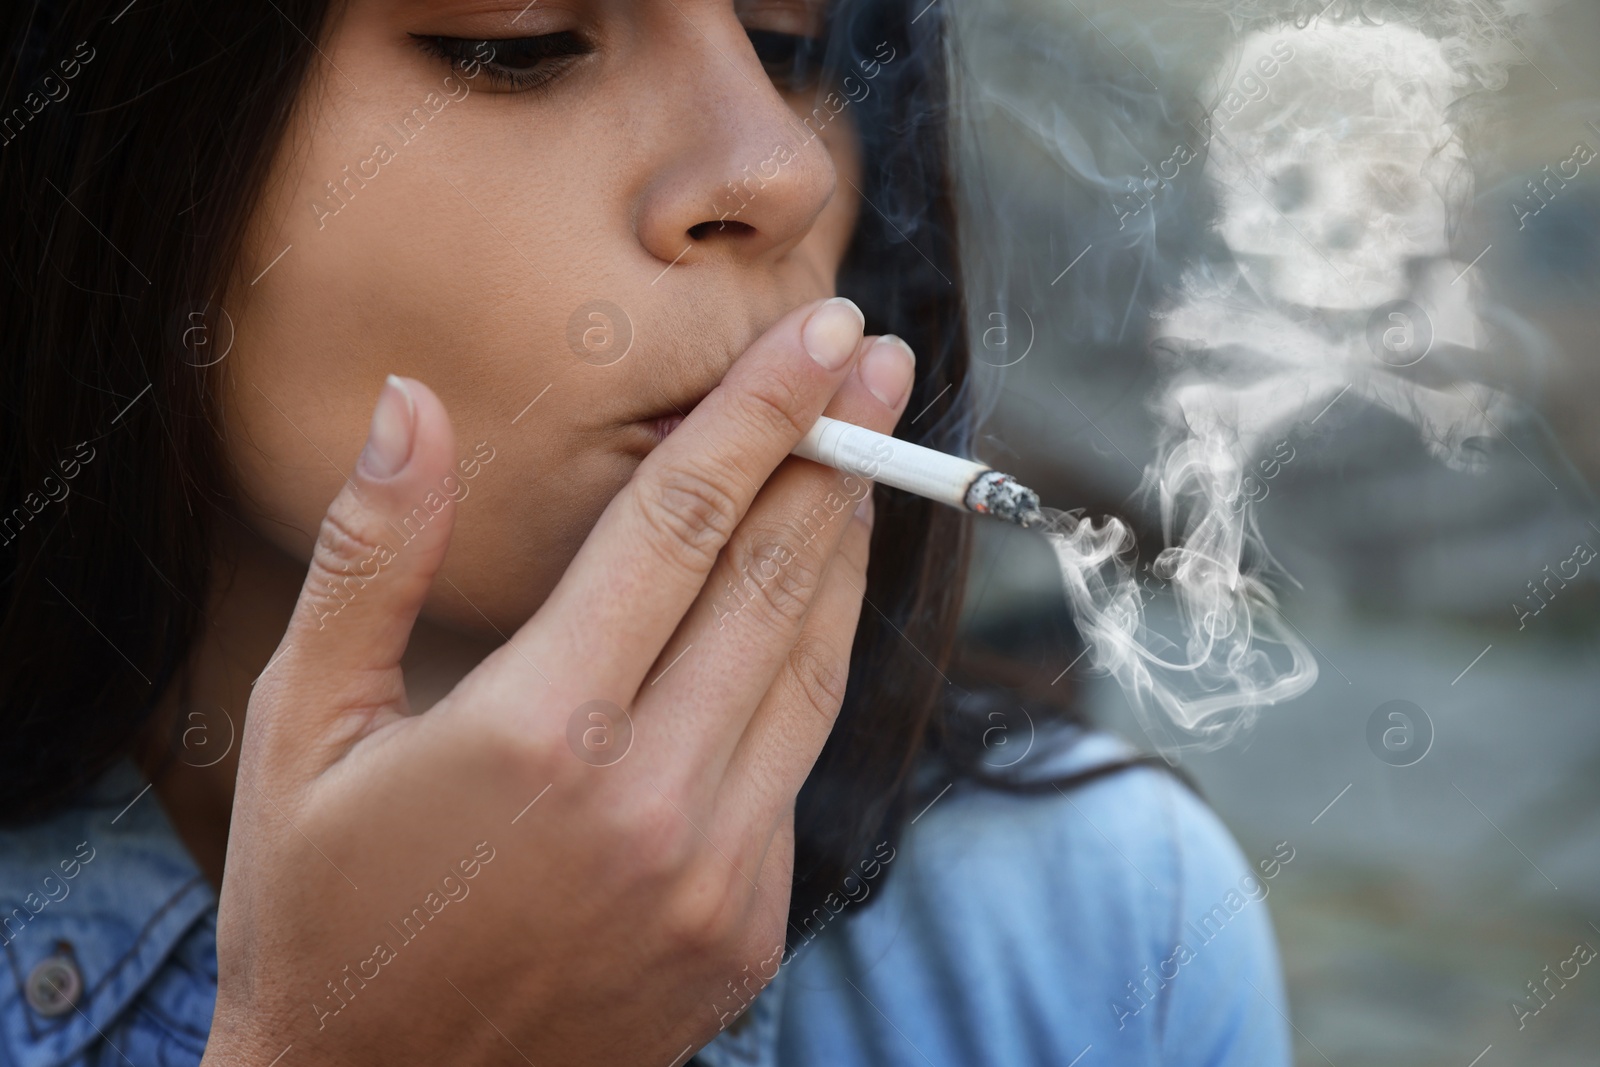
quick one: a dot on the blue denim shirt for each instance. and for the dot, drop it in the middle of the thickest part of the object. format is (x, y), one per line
(1116, 924)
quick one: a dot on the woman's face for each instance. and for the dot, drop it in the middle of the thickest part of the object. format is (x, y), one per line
(569, 242)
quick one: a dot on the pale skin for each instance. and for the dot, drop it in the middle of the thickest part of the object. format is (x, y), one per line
(401, 733)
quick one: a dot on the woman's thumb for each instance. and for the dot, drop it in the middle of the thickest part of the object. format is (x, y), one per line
(380, 545)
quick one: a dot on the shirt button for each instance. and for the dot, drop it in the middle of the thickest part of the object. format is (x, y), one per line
(53, 986)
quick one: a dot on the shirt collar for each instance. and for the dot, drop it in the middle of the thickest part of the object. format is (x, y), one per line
(104, 884)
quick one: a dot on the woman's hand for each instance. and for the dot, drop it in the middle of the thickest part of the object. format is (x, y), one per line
(490, 876)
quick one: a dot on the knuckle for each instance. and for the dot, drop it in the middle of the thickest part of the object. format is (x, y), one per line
(774, 571)
(818, 675)
(527, 755)
(688, 512)
(342, 540)
(705, 912)
(343, 555)
(658, 837)
(773, 406)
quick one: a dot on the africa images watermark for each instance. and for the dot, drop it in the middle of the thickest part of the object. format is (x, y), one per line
(1544, 592)
(1540, 995)
(1543, 191)
(739, 997)
(50, 89)
(52, 490)
(408, 128)
(771, 560)
(55, 890)
(782, 155)
(1252, 86)
(341, 589)
(1212, 922)
(1253, 488)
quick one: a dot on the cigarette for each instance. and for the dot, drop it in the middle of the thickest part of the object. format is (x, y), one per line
(961, 483)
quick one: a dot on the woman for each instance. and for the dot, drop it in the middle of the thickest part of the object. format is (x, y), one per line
(563, 729)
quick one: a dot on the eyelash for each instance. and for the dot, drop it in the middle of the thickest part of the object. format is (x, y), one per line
(793, 61)
(549, 55)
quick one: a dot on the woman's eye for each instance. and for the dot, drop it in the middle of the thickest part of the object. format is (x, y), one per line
(792, 61)
(513, 64)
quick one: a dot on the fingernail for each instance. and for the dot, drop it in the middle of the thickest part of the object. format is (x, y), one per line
(864, 509)
(833, 331)
(886, 369)
(393, 425)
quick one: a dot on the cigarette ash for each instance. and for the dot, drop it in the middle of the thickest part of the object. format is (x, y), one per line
(1002, 496)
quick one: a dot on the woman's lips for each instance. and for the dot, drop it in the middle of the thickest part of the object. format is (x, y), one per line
(650, 429)
(642, 436)
(663, 426)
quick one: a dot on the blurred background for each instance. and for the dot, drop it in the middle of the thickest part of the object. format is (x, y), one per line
(1432, 538)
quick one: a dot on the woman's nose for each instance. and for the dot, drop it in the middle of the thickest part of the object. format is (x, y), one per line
(734, 172)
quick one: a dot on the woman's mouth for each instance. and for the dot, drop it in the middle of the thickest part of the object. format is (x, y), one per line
(654, 428)
(663, 426)
(670, 415)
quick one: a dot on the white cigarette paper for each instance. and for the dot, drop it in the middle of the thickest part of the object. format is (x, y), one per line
(960, 483)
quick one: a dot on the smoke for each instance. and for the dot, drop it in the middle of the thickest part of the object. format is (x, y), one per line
(1330, 154)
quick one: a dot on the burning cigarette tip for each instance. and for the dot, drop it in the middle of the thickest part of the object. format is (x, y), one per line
(1000, 495)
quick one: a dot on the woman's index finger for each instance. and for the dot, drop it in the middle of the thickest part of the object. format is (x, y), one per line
(649, 555)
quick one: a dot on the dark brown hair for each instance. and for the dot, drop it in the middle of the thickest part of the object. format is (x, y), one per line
(131, 158)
